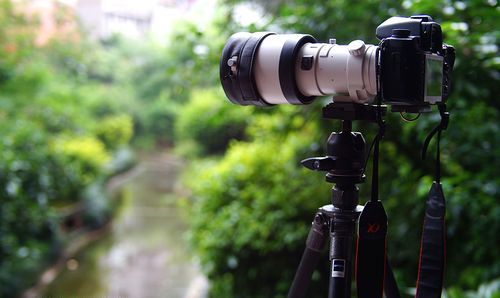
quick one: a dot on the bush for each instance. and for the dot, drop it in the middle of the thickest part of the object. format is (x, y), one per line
(156, 121)
(27, 178)
(49, 151)
(114, 131)
(83, 159)
(251, 215)
(486, 290)
(211, 121)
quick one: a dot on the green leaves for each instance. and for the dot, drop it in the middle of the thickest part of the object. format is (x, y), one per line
(59, 127)
(210, 121)
(252, 208)
(115, 131)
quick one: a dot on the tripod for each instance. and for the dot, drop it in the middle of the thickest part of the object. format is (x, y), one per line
(345, 165)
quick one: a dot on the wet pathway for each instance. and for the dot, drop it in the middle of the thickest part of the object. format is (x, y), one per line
(145, 254)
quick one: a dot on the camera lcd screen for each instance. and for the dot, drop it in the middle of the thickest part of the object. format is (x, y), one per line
(433, 78)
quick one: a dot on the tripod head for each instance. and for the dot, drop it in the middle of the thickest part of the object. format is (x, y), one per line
(345, 158)
(346, 150)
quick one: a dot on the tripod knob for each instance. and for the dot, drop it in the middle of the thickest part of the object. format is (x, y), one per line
(325, 163)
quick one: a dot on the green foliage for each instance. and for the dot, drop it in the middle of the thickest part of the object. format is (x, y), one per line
(209, 121)
(249, 217)
(156, 120)
(84, 157)
(250, 208)
(114, 131)
(487, 290)
(28, 181)
(164, 77)
(57, 139)
(15, 44)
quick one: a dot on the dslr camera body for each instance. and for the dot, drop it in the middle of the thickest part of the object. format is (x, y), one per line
(410, 69)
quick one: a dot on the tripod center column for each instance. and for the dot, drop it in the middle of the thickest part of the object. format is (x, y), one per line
(342, 230)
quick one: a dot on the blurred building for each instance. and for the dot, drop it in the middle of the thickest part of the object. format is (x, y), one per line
(54, 18)
(132, 18)
(135, 19)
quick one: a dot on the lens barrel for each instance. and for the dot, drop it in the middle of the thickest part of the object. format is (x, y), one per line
(266, 68)
(259, 68)
(348, 71)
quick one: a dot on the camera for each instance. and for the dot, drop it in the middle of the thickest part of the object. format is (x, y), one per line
(409, 69)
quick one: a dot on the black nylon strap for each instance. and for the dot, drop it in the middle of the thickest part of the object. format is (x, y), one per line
(376, 142)
(433, 246)
(438, 158)
(371, 251)
(445, 118)
(372, 232)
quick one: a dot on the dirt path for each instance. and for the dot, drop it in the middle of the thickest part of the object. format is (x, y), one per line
(145, 254)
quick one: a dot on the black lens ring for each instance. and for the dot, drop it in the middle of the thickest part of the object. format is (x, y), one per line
(287, 70)
(230, 81)
(240, 87)
(249, 91)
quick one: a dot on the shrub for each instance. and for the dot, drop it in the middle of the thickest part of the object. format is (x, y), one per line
(211, 121)
(156, 121)
(27, 178)
(251, 215)
(83, 159)
(48, 152)
(114, 131)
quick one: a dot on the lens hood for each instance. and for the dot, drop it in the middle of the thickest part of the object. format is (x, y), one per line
(236, 68)
(259, 68)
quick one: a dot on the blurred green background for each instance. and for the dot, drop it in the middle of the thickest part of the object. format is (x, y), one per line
(75, 109)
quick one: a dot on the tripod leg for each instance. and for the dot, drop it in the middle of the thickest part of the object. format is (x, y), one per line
(314, 245)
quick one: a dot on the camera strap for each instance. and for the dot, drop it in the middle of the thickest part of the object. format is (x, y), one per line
(372, 231)
(373, 272)
(433, 244)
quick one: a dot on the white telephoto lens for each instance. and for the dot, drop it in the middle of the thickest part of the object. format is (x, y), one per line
(346, 71)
